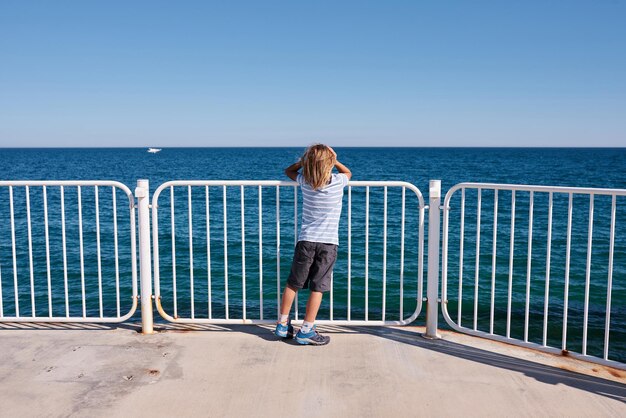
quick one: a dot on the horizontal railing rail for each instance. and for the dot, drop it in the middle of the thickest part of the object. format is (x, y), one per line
(548, 287)
(228, 299)
(61, 248)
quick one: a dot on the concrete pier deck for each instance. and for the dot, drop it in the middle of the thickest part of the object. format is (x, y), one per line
(234, 371)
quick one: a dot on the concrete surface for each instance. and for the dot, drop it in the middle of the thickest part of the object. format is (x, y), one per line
(97, 371)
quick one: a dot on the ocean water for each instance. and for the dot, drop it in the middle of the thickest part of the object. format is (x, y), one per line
(561, 167)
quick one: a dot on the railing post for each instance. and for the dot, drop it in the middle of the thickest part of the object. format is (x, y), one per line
(434, 237)
(145, 263)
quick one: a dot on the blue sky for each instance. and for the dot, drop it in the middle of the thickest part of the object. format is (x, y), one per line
(266, 73)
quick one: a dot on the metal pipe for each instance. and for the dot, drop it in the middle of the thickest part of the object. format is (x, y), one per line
(567, 263)
(190, 219)
(143, 203)
(528, 264)
(434, 235)
(493, 260)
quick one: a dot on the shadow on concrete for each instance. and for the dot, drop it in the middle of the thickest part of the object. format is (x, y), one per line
(540, 372)
(67, 326)
(543, 373)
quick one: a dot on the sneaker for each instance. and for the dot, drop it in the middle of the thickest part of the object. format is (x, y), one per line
(284, 331)
(313, 337)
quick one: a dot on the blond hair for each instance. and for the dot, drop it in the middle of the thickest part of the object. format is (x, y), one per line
(317, 164)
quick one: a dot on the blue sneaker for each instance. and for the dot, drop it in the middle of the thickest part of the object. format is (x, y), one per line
(284, 331)
(313, 337)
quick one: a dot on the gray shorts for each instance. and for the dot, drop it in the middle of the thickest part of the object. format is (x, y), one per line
(312, 266)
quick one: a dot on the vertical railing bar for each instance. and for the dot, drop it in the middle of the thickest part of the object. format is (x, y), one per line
(16, 288)
(191, 288)
(331, 296)
(384, 250)
(82, 255)
(547, 289)
(461, 245)
(173, 228)
(477, 272)
(567, 270)
(493, 260)
(30, 255)
(243, 252)
(295, 229)
(278, 250)
(261, 253)
(47, 237)
(529, 264)
(609, 287)
(65, 286)
(225, 249)
(98, 251)
(1, 304)
(349, 250)
(115, 244)
(208, 250)
(367, 225)
(420, 260)
(402, 254)
(587, 274)
(511, 252)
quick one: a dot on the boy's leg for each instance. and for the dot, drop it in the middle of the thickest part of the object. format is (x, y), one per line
(288, 297)
(313, 306)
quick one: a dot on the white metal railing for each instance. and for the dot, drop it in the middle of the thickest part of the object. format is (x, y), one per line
(494, 273)
(244, 313)
(65, 237)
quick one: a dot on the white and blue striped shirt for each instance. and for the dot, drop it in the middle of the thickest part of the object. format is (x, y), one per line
(321, 210)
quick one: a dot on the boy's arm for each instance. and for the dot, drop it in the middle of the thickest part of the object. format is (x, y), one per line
(343, 170)
(292, 170)
(340, 167)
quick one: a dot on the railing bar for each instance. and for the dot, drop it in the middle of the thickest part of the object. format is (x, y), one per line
(367, 225)
(529, 264)
(349, 250)
(173, 228)
(461, 245)
(295, 238)
(208, 249)
(278, 250)
(511, 251)
(191, 288)
(567, 268)
(243, 252)
(493, 260)
(402, 254)
(225, 249)
(384, 251)
(30, 255)
(98, 251)
(331, 296)
(16, 288)
(47, 235)
(477, 272)
(115, 243)
(420, 262)
(547, 289)
(609, 287)
(261, 253)
(82, 255)
(1, 304)
(587, 274)
(65, 286)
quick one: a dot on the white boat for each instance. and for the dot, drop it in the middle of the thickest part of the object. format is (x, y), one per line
(154, 150)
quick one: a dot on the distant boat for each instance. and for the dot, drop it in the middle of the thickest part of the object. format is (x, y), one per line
(154, 150)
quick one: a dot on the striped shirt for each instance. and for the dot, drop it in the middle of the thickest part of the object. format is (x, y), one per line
(321, 210)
